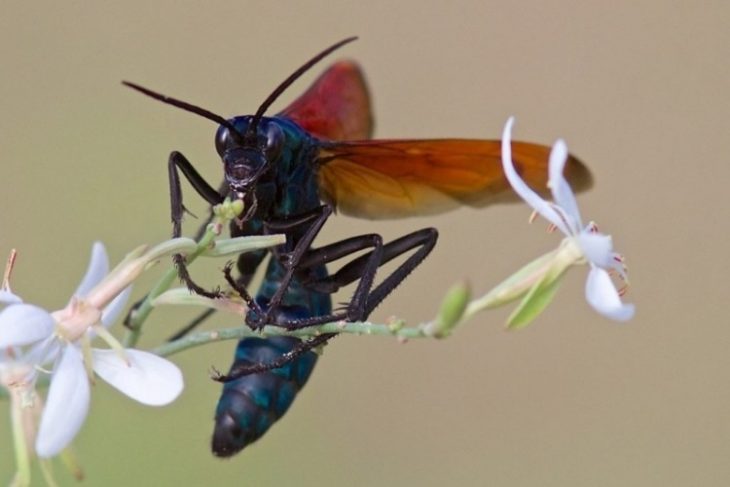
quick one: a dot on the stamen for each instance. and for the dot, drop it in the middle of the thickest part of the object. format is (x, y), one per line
(619, 259)
(113, 343)
(623, 277)
(40, 368)
(566, 219)
(88, 357)
(533, 217)
(9, 264)
(551, 228)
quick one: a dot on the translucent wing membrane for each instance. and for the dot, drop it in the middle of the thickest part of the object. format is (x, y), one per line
(336, 106)
(399, 178)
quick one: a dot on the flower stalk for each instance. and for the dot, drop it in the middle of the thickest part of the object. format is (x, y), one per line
(207, 246)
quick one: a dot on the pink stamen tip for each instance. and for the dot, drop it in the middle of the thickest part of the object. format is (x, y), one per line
(623, 290)
(551, 228)
(533, 217)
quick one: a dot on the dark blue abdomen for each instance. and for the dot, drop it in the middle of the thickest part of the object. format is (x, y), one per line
(251, 404)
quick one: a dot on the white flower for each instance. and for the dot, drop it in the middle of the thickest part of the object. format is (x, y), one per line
(538, 281)
(63, 339)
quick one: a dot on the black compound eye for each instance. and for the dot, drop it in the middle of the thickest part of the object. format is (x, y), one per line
(274, 141)
(222, 138)
(227, 138)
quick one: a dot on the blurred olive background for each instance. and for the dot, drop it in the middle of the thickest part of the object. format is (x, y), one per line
(638, 89)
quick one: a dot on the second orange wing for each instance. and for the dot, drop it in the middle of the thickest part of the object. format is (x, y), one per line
(398, 178)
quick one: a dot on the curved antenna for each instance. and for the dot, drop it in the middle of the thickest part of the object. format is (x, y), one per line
(187, 107)
(251, 132)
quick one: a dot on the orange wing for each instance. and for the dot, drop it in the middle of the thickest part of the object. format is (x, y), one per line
(398, 178)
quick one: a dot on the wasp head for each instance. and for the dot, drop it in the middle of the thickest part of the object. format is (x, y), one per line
(249, 154)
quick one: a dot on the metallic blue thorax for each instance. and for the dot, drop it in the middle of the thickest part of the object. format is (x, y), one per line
(289, 188)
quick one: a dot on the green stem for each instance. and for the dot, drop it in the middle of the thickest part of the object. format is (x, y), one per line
(139, 315)
(355, 328)
(22, 457)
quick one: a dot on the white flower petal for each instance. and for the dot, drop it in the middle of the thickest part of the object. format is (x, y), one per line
(531, 198)
(150, 379)
(603, 297)
(21, 324)
(112, 310)
(44, 352)
(7, 297)
(67, 405)
(97, 270)
(597, 248)
(562, 193)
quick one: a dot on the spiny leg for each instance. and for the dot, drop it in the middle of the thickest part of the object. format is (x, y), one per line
(254, 368)
(301, 230)
(424, 240)
(247, 265)
(365, 298)
(299, 349)
(195, 322)
(176, 162)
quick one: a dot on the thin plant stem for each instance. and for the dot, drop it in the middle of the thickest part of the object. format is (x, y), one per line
(396, 329)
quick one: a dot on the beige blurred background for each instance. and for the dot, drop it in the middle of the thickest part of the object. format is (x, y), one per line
(638, 89)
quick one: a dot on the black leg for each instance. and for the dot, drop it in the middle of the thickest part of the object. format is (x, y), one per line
(312, 223)
(365, 272)
(192, 325)
(247, 264)
(365, 299)
(424, 240)
(299, 350)
(176, 162)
